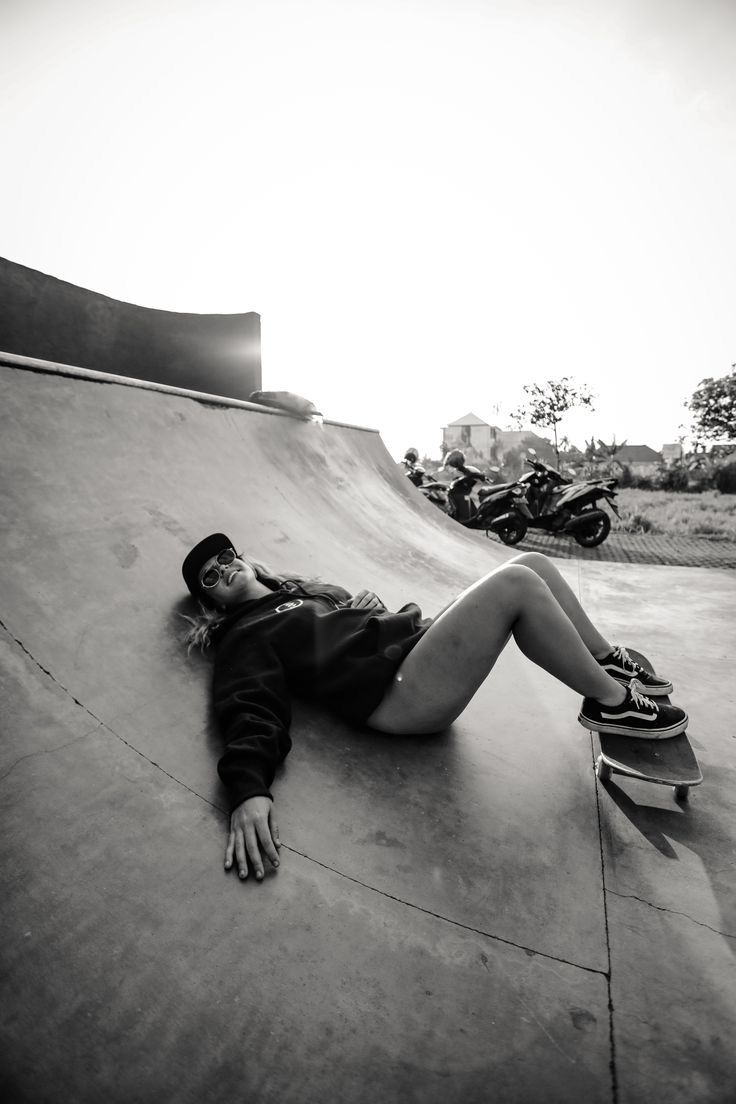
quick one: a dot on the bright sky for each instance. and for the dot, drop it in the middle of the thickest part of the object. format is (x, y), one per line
(429, 202)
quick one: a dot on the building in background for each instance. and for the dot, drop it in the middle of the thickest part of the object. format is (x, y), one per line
(672, 452)
(485, 444)
(641, 460)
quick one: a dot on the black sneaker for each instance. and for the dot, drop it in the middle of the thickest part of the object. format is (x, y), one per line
(619, 665)
(637, 715)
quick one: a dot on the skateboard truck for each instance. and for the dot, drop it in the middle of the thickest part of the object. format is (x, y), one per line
(650, 761)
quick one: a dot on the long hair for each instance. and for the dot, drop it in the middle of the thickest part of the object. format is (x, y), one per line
(202, 626)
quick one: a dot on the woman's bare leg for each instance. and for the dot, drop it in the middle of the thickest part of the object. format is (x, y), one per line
(442, 673)
(596, 644)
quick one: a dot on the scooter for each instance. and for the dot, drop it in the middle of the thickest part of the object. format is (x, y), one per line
(501, 509)
(434, 491)
(562, 507)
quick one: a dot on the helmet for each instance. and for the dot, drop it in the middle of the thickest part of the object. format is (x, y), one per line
(411, 455)
(454, 459)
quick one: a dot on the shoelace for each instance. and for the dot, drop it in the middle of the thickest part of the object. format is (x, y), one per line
(623, 656)
(640, 700)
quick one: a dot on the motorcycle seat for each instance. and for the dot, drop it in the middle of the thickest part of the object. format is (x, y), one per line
(485, 491)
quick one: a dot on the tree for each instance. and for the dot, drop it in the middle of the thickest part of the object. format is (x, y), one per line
(513, 459)
(547, 404)
(599, 457)
(713, 407)
(608, 452)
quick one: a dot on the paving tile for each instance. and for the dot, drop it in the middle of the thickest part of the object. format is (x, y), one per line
(646, 548)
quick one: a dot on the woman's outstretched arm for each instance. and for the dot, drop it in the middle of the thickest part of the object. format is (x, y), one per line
(252, 705)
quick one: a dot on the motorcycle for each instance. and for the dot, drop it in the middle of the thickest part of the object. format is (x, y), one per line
(562, 507)
(434, 491)
(501, 508)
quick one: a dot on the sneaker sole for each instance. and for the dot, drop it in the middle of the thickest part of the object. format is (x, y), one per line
(650, 691)
(636, 733)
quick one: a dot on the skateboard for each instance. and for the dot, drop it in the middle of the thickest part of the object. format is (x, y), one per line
(669, 762)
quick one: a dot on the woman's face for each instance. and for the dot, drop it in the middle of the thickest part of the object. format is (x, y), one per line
(236, 582)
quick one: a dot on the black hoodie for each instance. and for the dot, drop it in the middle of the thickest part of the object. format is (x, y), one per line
(301, 639)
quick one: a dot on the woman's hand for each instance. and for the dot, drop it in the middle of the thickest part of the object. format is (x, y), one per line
(366, 599)
(252, 830)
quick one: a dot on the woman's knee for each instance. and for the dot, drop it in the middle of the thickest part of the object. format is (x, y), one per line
(515, 581)
(537, 561)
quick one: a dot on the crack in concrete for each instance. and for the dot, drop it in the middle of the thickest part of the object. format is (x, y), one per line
(46, 671)
(440, 916)
(366, 885)
(153, 763)
(672, 912)
(100, 724)
(48, 751)
(612, 1066)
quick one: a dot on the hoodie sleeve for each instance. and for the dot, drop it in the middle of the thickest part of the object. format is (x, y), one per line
(253, 709)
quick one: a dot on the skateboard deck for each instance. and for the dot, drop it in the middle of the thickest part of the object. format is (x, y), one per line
(668, 762)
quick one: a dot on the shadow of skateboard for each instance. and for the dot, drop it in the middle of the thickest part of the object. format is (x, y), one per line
(668, 762)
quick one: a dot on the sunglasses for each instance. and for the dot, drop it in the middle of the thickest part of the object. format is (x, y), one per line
(213, 574)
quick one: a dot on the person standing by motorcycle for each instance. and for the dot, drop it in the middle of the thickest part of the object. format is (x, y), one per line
(414, 470)
(459, 495)
(275, 636)
(433, 491)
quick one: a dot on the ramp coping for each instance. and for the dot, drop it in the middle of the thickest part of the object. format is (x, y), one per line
(32, 364)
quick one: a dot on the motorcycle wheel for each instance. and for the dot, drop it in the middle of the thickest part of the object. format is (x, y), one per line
(595, 533)
(513, 532)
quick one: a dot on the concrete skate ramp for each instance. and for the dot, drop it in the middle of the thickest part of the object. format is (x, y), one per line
(438, 929)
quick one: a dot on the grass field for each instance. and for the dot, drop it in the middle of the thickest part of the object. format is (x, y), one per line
(709, 514)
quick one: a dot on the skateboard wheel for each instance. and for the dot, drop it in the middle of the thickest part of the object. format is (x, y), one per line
(602, 770)
(681, 792)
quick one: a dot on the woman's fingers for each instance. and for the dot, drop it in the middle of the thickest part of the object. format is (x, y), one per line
(254, 853)
(267, 842)
(229, 849)
(240, 854)
(366, 599)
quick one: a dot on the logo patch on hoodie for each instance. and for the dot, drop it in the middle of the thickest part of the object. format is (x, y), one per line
(295, 602)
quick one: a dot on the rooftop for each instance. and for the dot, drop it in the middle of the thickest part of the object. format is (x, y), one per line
(468, 420)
